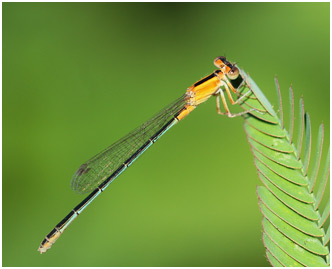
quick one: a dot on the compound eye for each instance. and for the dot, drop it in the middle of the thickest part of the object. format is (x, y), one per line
(233, 73)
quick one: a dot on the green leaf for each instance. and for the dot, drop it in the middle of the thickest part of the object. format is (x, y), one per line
(304, 209)
(308, 242)
(292, 175)
(295, 251)
(276, 251)
(288, 215)
(325, 215)
(307, 143)
(259, 94)
(272, 260)
(291, 113)
(318, 157)
(301, 127)
(323, 181)
(266, 128)
(285, 159)
(326, 239)
(262, 116)
(254, 103)
(296, 191)
(280, 103)
(275, 143)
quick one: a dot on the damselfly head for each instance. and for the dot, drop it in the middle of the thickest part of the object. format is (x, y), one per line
(230, 69)
(220, 62)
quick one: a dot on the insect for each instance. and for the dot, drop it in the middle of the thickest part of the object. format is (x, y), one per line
(97, 173)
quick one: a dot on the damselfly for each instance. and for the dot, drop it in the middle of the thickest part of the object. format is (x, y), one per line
(97, 173)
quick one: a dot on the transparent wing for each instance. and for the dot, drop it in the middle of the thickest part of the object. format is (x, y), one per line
(92, 173)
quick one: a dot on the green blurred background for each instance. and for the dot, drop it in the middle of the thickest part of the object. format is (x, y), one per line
(78, 76)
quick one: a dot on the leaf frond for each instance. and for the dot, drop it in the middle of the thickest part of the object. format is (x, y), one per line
(294, 232)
